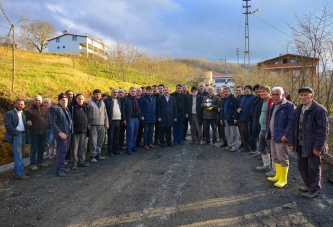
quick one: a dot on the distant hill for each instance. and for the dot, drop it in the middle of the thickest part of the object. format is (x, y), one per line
(216, 67)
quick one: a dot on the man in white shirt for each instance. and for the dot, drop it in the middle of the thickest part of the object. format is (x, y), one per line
(16, 134)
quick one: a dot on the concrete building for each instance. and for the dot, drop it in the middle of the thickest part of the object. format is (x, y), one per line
(71, 43)
(224, 80)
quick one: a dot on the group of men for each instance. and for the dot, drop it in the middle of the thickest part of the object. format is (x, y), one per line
(264, 122)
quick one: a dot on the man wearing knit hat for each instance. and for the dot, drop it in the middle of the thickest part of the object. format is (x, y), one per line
(255, 111)
(308, 137)
(195, 115)
(97, 123)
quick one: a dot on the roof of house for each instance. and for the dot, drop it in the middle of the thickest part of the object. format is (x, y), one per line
(222, 75)
(84, 36)
(290, 55)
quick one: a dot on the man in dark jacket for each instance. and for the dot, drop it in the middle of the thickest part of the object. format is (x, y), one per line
(114, 108)
(254, 119)
(148, 106)
(132, 115)
(122, 125)
(280, 116)
(16, 134)
(37, 125)
(166, 113)
(201, 90)
(210, 105)
(308, 137)
(229, 117)
(78, 146)
(187, 95)
(182, 114)
(244, 116)
(195, 115)
(61, 124)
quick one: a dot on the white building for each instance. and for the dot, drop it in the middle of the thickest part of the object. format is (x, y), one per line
(70, 43)
(224, 80)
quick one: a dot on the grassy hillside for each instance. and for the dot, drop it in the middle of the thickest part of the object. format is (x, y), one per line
(49, 75)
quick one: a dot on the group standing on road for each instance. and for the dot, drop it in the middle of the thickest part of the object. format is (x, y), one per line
(256, 120)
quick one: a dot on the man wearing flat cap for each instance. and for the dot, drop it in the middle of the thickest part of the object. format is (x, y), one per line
(61, 124)
(98, 122)
(308, 137)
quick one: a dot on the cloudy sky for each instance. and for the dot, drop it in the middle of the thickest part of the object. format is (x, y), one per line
(210, 29)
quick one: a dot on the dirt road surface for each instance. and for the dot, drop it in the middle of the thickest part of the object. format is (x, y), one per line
(186, 185)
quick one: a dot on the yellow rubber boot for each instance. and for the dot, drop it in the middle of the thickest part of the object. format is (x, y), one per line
(283, 177)
(277, 173)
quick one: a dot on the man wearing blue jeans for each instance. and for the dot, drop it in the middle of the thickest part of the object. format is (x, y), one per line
(36, 116)
(16, 134)
(132, 114)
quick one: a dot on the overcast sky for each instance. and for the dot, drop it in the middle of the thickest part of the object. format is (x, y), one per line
(210, 29)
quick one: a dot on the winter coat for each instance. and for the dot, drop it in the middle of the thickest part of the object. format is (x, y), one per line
(198, 109)
(315, 130)
(183, 102)
(79, 118)
(232, 113)
(109, 107)
(282, 120)
(58, 121)
(96, 115)
(11, 121)
(245, 104)
(213, 113)
(167, 111)
(202, 94)
(255, 111)
(128, 108)
(148, 107)
(38, 117)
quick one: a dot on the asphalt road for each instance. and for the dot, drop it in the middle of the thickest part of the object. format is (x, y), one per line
(187, 185)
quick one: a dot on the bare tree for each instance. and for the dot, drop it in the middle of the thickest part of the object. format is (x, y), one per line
(11, 34)
(34, 35)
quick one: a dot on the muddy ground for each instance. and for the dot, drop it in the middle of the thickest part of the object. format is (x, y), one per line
(187, 185)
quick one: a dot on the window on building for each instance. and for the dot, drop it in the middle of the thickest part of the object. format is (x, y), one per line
(296, 72)
(276, 62)
(292, 61)
(285, 61)
(58, 47)
(63, 46)
(272, 73)
(74, 38)
(57, 40)
(219, 80)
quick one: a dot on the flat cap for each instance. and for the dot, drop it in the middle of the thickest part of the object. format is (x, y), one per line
(61, 96)
(305, 90)
(97, 91)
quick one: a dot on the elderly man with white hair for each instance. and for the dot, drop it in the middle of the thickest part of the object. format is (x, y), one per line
(280, 118)
(36, 116)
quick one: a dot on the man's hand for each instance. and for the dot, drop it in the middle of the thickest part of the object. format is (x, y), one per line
(239, 110)
(160, 119)
(218, 109)
(292, 148)
(142, 118)
(125, 123)
(106, 126)
(186, 115)
(205, 105)
(235, 121)
(29, 123)
(62, 135)
(316, 153)
(89, 126)
(221, 122)
(284, 139)
(175, 119)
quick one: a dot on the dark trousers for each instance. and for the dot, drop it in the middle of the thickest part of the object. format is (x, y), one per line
(62, 148)
(140, 134)
(245, 133)
(221, 131)
(207, 124)
(310, 170)
(148, 133)
(78, 148)
(157, 132)
(113, 136)
(165, 132)
(178, 129)
(122, 134)
(37, 145)
(185, 128)
(253, 143)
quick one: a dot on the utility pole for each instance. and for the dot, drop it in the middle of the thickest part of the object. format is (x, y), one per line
(237, 53)
(13, 49)
(247, 40)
